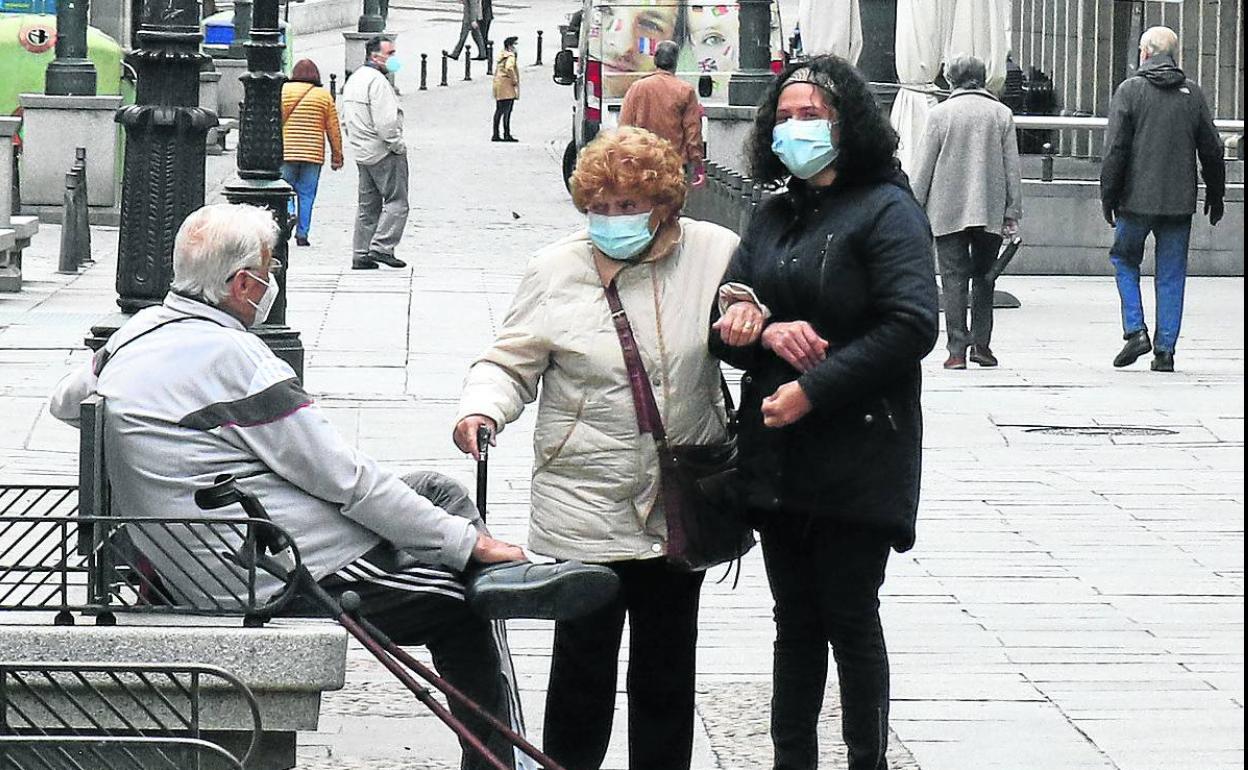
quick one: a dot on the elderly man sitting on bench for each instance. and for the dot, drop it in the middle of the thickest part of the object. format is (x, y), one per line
(190, 394)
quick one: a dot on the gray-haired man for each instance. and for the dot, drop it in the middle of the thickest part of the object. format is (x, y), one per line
(1159, 126)
(190, 394)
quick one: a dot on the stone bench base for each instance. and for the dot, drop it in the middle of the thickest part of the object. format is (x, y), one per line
(286, 665)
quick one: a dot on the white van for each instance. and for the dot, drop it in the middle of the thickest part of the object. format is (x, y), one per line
(608, 44)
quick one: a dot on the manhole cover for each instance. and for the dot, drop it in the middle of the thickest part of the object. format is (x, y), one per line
(1100, 430)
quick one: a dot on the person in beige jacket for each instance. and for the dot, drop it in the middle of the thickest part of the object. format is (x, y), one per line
(595, 476)
(506, 89)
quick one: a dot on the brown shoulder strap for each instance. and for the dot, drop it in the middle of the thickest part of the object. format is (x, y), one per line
(648, 418)
(287, 113)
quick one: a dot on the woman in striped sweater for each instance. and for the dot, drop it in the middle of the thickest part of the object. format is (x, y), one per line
(308, 117)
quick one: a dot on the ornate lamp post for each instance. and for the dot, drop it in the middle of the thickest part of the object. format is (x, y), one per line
(372, 19)
(165, 128)
(259, 163)
(71, 73)
(372, 22)
(754, 74)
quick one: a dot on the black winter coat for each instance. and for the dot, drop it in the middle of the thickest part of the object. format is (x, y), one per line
(855, 261)
(1159, 125)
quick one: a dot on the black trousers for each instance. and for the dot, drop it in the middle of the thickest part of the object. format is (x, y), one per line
(965, 256)
(661, 603)
(502, 112)
(825, 578)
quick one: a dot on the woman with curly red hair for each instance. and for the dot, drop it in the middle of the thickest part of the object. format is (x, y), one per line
(595, 490)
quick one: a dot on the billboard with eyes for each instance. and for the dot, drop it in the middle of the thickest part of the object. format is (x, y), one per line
(610, 44)
(622, 35)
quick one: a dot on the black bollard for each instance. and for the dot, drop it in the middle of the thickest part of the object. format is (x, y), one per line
(68, 260)
(1046, 163)
(84, 226)
(333, 86)
(467, 62)
(424, 72)
(489, 58)
(445, 66)
(538, 63)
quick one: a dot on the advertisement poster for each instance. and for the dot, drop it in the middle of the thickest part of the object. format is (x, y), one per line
(623, 35)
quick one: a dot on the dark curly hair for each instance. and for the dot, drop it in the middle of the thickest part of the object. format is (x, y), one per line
(868, 143)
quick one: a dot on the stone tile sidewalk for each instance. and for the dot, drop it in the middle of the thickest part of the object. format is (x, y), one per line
(1075, 600)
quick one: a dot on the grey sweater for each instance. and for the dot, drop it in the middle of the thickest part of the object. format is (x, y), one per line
(966, 172)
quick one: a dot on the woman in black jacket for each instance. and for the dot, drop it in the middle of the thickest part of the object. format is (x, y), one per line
(831, 427)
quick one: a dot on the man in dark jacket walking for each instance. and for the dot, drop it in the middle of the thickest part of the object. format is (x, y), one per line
(1159, 125)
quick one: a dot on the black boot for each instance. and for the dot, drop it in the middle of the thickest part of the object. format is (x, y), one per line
(1137, 345)
(982, 355)
(1163, 361)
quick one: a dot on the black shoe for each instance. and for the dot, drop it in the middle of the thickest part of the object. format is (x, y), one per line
(496, 139)
(301, 241)
(510, 139)
(363, 264)
(982, 355)
(386, 259)
(1137, 345)
(1163, 361)
(562, 591)
(449, 55)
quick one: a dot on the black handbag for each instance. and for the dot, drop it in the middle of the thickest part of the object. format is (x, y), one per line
(707, 522)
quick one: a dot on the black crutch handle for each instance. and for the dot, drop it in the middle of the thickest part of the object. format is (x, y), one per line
(225, 491)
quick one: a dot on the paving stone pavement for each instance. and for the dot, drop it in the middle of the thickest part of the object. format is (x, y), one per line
(1075, 600)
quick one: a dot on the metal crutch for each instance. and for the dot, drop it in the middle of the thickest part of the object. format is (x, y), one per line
(395, 659)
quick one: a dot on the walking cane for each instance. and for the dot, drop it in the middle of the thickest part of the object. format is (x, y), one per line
(484, 434)
(225, 491)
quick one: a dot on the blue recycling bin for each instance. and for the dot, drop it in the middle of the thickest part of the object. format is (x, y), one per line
(219, 35)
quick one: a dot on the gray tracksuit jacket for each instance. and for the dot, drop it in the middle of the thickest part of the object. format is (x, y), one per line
(191, 394)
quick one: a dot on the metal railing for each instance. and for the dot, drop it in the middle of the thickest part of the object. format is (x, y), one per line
(76, 752)
(1082, 136)
(181, 566)
(119, 716)
(728, 198)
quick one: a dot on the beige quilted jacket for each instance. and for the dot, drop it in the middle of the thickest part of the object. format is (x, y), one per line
(595, 478)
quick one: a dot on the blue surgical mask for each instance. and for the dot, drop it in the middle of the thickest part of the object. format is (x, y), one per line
(624, 237)
(805, 147)
(393, 64)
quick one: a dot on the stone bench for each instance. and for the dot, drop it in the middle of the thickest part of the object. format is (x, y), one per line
(15, 231)
(286, 665)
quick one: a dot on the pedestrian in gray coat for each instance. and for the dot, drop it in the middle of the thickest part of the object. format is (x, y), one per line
(1159, 126)
(476, 24)
(967, 177)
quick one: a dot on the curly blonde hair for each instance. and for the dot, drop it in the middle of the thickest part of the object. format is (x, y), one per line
(633, 161)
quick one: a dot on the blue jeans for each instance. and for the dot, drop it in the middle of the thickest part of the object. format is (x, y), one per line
(304, 177)
(1171, 234)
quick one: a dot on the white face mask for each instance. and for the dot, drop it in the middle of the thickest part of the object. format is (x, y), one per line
(265, 305)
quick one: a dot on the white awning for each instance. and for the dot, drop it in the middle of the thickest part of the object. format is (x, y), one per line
(831, 26)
